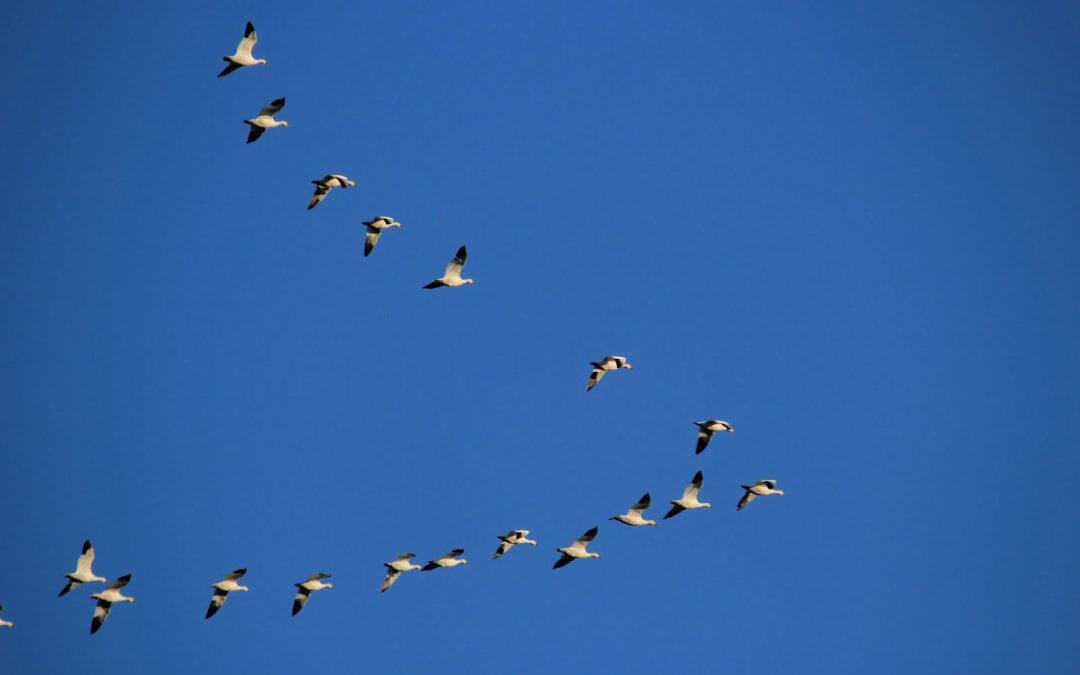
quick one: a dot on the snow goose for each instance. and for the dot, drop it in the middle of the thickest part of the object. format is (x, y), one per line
(243, 56)
(706, 429)
(83, 572)
(266, 120)
(576, 550)
(6, 624)
(604, 365)
(512, 539)
(375, 226)
(324, 185)
(395, 567)
(634, 515)
(106, 599)
(304, 589)
(762, 487)
(452, 276)
(689, 498)
(222, 589)
(451, 559)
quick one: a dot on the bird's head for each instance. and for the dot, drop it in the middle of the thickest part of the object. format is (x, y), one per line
(594, 555)
(284, 123)
(261, 62)
(706, 505)
(468, 281)
(779, 492)
(628, 367)
(650, 522)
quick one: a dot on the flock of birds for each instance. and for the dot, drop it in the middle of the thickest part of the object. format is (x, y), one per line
(577, 550)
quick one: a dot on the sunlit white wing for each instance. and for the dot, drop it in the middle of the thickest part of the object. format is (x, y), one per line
(301, 598)
(639, 508)
(747, 497)
(101, 612)
(86, 560)
(391, 576)
(243, 50)
(273, 108)
(371, 239)
(453, 270)
(119, 583)
(584, 539)
(216, 602)
(236, 574)
(691, 491)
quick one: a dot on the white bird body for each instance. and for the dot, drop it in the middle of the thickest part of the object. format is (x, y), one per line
(689, 499)
(375, 226)
(759, 489)
(242, 57)
(396, 567)
(265, 120)
(324, 185)
(222, 589)
(511, 539)
(577, 550)
(84, 572)
(304, 589)
(706, 430)
(106, 599)
(634, 517)
(606, 365)
(452, 276)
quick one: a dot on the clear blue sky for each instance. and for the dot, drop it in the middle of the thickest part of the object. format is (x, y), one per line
(850, 230)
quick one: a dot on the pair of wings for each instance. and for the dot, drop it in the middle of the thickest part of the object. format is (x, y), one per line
(302, 593)
(373, 233)
(509, 540)
(642, 504)
(432, 564)
(453, 270)
(221, 595)
(323, 187)
(268, 111)
(691, 492)
(750, 496)
(578, 544)
(243, 50)
(83, 567)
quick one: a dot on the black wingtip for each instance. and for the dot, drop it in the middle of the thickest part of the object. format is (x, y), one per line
(280, 102)
(697, 477)
(87, 546)
(64, 591)
(251, 29)
(211, 610)
(242, 571)
(94, 625)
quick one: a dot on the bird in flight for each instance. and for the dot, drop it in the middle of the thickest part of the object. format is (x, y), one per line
(511, 539)
(6, 624)
(265, 120)
(576, 550)
(106, 599)
(452, 276)
(689, 498)
(324, 185)
(375, 226)
(243, 56)
(305, 588)
(604, 365)
(451, 559)
(83, 572)
(395, 567)
(222, 590)
(760, 488)
(634, 517)
(705, 432)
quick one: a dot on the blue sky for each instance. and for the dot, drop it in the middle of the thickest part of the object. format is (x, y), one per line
(851, 231)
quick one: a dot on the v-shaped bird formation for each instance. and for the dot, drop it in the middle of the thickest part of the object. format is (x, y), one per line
(578, 549)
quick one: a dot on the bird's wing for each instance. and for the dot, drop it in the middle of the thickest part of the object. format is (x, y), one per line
(216, 602)
(119, 583)
(563, 561)
(520, 534)
(320, 194)
(71, 584)
(371, 239)
(246, 44)
(86, 559)
(254, 133)
(453, 270)
(405, 556)
(584, 539)
(703, 440)
(236, 574)
(228, 69)
(453, 554)
(642, 504)
(594, 377)
(318, 576)
(391, 576)
(302, 595)
(674, 511)
(504, 546)
(694, 487)
(769, 483)
(746, 499)
(101, 612)
(275, 106)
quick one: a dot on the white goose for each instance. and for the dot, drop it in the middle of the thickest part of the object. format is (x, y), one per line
(451, 559)
(106, 599)
(375, 226)
(512, 539)
(452, 276)
(634, 515)
(324, 185)
(83, 573)
(266, 120)
(6, 624)
(705, 432)
(222, 590)
(689, 498)
(608, 363)
(576, 550)
(395, 567)
(760, 488)
(305, 588)
(243, 56)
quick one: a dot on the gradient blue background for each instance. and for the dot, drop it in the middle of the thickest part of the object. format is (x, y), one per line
(850, 230)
